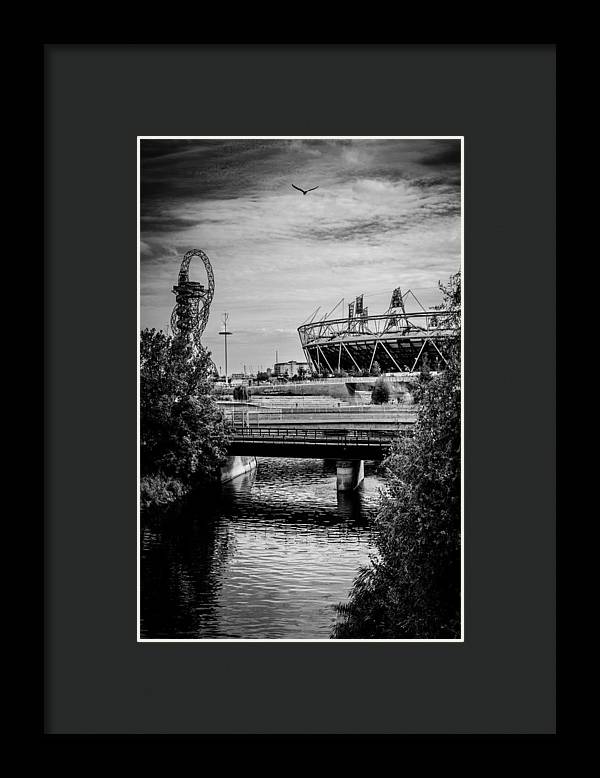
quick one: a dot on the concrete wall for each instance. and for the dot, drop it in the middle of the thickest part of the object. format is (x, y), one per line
(350, 474)
(308, 390)
(236, 466)
(350, 389)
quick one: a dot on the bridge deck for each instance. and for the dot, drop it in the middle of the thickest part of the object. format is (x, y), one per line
(313, 443)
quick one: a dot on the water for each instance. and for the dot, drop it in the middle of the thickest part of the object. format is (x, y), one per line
(268, 557)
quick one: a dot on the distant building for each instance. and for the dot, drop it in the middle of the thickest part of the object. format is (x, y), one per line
(290, 369)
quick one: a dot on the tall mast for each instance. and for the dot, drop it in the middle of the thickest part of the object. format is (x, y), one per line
(225, 332)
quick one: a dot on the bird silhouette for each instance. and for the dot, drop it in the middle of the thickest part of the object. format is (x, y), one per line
(304, 191)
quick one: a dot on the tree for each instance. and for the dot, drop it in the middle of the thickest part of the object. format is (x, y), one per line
(262, 376)
(183, 435)
(375, 368)
(381, 392)
(412, 589)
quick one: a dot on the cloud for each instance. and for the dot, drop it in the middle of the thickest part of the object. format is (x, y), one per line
(446, 153)
(386, 213)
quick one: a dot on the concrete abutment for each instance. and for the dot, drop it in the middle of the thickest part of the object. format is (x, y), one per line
(350, 474)
(236, 466)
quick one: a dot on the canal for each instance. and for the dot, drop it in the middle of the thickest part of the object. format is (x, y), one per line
(268, 556)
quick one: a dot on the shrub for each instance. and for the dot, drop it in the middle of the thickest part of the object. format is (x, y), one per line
(381, 392)
(241, 392)
(158, 491)
(412, 588)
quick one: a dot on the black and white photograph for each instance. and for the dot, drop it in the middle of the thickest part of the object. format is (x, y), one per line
(300, 389)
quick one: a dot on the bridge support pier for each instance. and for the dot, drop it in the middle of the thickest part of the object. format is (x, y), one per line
(350, 474)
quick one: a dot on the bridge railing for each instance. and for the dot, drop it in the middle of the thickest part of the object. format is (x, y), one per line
(343, 409)
(256, 414)
(333, 437)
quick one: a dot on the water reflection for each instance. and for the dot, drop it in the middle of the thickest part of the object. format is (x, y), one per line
(267, 556)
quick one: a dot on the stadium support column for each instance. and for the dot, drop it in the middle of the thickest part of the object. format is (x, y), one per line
(350, 474)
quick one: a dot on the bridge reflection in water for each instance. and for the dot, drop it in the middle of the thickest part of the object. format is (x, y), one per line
(267, 557)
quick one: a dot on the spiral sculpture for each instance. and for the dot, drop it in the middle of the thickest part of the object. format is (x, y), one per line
(192, 299)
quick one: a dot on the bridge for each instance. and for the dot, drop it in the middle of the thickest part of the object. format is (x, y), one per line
(349, 446)
(310, 443)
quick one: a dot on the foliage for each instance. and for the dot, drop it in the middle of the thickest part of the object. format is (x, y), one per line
(425, 372)
(381, 392)
(416, 387)
(260, 376)
(157, 491)
(241, 392)
(375, 368)
(412, 588)
(183, 435)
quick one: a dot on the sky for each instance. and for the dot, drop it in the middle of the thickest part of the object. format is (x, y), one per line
(386, 213)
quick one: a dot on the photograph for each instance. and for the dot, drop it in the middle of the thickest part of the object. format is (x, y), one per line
(300, 389)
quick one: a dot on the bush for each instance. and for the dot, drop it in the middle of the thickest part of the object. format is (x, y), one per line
(412, 588)
(159, 491)
(241, 392)
(381, 392)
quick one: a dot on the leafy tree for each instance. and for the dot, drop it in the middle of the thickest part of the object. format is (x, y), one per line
(375, 368)
(381, 392)
(412, 588)
(262, 376)
(183, 435)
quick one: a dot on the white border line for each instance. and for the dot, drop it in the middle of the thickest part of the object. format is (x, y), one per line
(462, 388)
(137, 339)
(331, 641)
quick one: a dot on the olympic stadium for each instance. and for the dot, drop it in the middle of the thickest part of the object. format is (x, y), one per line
(398, 341)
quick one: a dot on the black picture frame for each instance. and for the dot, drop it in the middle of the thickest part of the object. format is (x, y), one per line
(99, 680)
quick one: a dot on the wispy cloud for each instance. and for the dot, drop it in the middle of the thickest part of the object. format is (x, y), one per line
(386, 213)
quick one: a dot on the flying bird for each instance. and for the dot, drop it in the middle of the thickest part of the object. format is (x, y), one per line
(304, 191)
